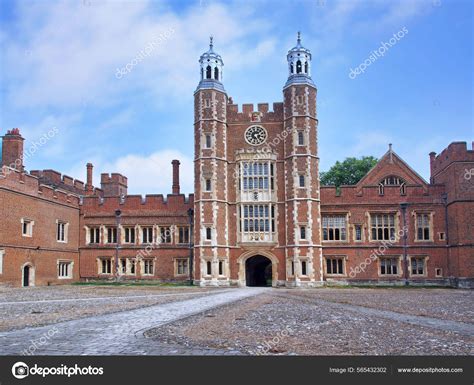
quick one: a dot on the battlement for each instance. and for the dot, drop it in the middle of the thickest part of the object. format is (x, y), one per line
(113, 178)
(113, 185)
(56, 179)
(29, 184)
(455, 152)
(137, 204)
(247, 112)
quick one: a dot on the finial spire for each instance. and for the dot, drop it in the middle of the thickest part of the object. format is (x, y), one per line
(299, 37)
(211, 45)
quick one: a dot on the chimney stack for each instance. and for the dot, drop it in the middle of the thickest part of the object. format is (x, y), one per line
(89, 184)
(432, 161)
(175, 187)
(12, 149)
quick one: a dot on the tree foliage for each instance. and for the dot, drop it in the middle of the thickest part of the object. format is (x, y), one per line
(348, 172)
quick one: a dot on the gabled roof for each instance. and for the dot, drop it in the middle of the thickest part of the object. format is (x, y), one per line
(391, 164)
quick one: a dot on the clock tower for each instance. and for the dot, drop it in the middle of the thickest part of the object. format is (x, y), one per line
(257, 212)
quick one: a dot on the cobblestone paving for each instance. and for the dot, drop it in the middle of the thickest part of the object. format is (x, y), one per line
(117, 333)
(436, 323)
(240, 321)
(446, 304)
(299, 322)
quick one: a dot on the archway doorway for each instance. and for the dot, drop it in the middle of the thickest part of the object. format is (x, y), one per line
(258, 271)
(28, 276)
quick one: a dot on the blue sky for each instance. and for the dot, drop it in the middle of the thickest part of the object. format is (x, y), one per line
(59, 69)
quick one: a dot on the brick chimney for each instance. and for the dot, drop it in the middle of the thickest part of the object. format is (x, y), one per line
(432, 162)
(175, 186)
(12, 149)
(89, 183)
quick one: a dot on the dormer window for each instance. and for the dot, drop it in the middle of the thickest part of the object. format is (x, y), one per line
(392, 180)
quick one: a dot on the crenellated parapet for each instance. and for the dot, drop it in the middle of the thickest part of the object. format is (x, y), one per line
(57, 180)
(32, 185)
(455, 152)
(138, 204)
(114, 184)
(247, 113)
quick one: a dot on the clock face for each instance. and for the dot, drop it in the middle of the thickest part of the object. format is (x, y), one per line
(255, 135)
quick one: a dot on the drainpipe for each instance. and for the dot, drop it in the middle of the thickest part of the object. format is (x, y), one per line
(191, 245)
(118, 215)
(404, 206)
(444, 198)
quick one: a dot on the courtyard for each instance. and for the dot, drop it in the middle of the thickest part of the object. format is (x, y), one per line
(165, 320)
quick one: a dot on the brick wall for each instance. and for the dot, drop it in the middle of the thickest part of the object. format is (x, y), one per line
(22, 198)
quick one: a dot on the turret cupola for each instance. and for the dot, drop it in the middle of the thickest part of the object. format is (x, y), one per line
(299, 64)
(211, 65)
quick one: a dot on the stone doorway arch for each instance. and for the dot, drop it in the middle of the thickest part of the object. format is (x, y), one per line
(262, 266)
(27, 275)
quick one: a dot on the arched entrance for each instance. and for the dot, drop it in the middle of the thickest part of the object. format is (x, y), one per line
(244, 269)
(258, 271)
(27, 275)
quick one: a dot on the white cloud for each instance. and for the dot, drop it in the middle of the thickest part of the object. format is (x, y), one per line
(56, 128)
(147, 174)
(401, 12)
(66, 54)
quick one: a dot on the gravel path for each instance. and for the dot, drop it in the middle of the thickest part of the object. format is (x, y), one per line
(195, 321)
(118, 333)
(294, 322)
(446, 304)
(436, 323)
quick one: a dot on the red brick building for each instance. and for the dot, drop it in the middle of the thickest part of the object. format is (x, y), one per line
(39, 239)
(258, 215)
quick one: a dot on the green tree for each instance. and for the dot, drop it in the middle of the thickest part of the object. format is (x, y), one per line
(348, 172)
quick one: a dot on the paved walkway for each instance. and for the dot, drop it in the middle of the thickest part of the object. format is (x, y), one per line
(118, 333)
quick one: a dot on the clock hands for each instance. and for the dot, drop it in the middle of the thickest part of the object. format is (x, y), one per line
(255, 135)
